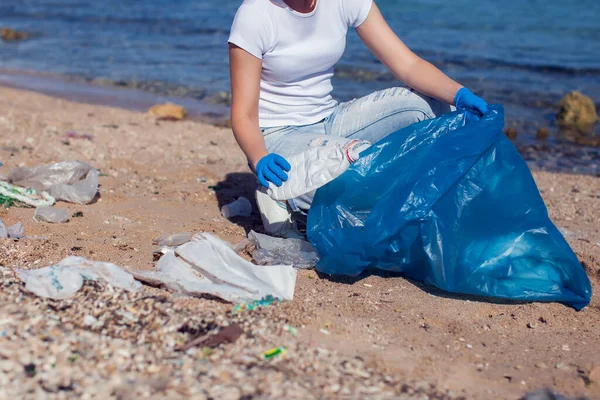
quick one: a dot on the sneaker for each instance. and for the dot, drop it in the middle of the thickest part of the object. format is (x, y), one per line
(276, 218)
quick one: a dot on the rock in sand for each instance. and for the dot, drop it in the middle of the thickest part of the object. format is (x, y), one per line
(542, 133)
(577, 112)
(168, 111)
(11, 35)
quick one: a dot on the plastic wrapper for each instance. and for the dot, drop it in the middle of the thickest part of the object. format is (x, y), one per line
(173, 239)
(208, 266)
(272, 251)
(217, 261)
(12, 232)
(51, 215)
(72, 181)
(453, 205)
(176, 275)
(64, 279)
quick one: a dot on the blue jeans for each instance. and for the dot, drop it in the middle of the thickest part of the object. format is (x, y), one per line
(370, 118)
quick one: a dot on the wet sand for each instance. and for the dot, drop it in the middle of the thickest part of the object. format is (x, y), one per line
(156, 178)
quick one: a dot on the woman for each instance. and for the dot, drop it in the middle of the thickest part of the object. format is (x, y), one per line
(282, 54)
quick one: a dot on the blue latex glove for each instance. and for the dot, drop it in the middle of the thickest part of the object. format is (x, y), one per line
(466, 100)
(272, 168)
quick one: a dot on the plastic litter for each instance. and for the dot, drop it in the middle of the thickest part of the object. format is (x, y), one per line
(273, 251)
(293, 331)
(72, 181)
(239, 208)
(178, 276)
(544, 394)
(208, 266)
(13, 232)
(278, 351)
(11, 195)
(264, 302)
(64, 279)
(453, 205)
(51, 215)
(173, 239)
(76, 135)
(217, 261)
(322, 162)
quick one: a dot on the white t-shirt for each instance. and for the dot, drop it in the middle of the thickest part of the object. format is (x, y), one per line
(298, 52)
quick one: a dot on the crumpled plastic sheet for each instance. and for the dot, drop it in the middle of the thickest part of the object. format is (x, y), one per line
(64, 279)
(173, 239)
(71, 181)
(272, 251)
(451, 204)
(51, 215)
(13, 232)
(208, 266)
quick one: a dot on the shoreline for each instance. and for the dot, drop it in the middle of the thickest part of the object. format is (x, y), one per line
(550, 155)
(113, 96)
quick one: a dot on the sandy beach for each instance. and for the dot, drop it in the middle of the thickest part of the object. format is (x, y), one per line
(373, 337)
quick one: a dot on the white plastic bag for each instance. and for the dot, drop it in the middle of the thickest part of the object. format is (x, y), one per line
(207, 265)
(64, 279)
(178, 276)
(13, 232)
(323, 161)
(51, 215)
(72, 181)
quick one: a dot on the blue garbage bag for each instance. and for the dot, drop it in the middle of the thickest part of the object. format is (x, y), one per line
(450, 204)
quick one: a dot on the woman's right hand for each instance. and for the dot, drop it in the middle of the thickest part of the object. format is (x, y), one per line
(272, 168)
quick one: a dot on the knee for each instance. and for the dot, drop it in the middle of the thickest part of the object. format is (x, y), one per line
(428, 106)
(417, 106)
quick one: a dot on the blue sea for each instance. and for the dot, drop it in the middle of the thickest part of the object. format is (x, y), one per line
(525, 54)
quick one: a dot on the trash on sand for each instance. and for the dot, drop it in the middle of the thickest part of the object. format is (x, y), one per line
(75, 135)
(11, 195)
(452, 204)
(271, 251)
(13, 232)
(227, 335)
(239, 208)
(173, 239)
(64, 279)
(178, 276)
(208, 266)
(543, 394)
(71, 181)
(51, 215)
(274, 352)
(293, 331)
(216, 260)
(264, 302)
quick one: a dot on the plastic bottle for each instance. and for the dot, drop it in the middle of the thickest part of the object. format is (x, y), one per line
(322, 162)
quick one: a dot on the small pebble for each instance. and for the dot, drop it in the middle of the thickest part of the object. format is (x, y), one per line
(542, 133)
(511, 133)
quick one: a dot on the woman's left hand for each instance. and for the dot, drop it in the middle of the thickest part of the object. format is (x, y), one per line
(466, 100)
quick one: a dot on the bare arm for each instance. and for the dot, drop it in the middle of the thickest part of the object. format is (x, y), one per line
(245, 91)
(402, 62)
